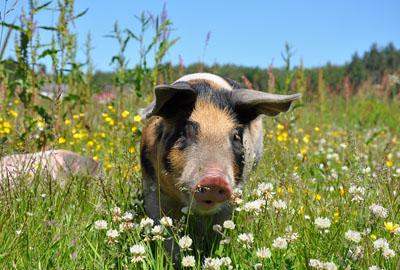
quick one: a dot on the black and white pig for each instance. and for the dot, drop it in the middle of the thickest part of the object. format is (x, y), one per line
(202, 138)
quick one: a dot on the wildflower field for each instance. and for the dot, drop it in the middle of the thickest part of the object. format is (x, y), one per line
(325, 196)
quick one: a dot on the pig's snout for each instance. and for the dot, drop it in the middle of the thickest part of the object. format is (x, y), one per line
(212, 189)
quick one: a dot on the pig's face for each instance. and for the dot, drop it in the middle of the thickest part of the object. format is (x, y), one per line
(208, 157)
(206, 139)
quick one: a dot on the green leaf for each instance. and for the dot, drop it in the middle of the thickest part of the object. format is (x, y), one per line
(49, 28)
(71, 97)
(12, 26)
(48, 52)
(80, 14)
(43, 6)
(131, 34)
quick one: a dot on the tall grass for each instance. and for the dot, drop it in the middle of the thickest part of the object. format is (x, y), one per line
(330, 158)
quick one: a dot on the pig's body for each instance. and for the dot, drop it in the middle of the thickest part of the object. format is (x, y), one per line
(203, 136)
(58, 164)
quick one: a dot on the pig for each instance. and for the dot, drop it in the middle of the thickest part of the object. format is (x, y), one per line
(58, 164)
(203, 136)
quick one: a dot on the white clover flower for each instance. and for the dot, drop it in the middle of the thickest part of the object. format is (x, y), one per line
(264, 253)
(329, 266)
(366, 170)
(322, 223)
(246, 239)
(280, 243)
(185, 210)
(314, 263)
(226, 261)
(388, 253)
(381, 244)
(291, 237)
(146, 223)
(166, 222)
(212, 264)
(116, 214)
(217, 228)
(188, 261)
(157, 232)
(112, 235)
(128, 216)
(126, 226)
(279, 205)
(254, 206)
(265, 190)
(229, 224)
(374, 267)
(225, 241)
(100, 224)
(357, 192)
(353, 236)
(258, 266)
(356, 253)
(138, 252)
(378, 211)
(185, 242)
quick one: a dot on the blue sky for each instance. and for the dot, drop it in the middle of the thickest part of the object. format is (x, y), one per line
(250, 33)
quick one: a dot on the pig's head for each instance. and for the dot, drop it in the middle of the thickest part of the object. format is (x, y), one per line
(208, 145)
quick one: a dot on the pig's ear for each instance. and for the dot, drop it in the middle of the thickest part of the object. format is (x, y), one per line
(250, 103)
(176, 100)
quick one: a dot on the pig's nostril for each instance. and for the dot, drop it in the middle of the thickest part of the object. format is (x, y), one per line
(208, 201)
(221, 192)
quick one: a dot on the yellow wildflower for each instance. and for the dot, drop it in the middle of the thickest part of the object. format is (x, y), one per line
(61, 140)
(137, 118)
(280, 127)
(282, 137)
(341, 190)
(391, 227)
(317, 197)
(306, 138)
(41, 124)
(136, 168)
(108, 166)
(389, 163)
(67, 121)
(125, 114)
(372, 236)
(13, 113)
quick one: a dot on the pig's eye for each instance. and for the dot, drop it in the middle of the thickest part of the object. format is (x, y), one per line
(191, 130)
(188, 134)
(237, 134)
(237, 137)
